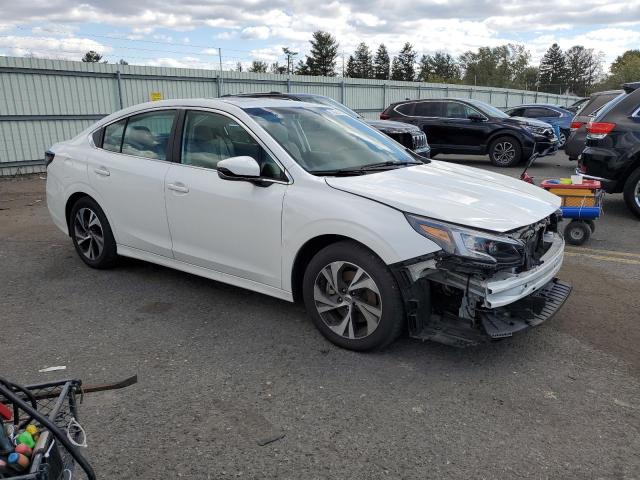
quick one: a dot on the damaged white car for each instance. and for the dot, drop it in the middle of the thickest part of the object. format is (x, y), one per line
(301, 201)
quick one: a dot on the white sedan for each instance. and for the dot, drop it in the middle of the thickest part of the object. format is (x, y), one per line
(302, 202)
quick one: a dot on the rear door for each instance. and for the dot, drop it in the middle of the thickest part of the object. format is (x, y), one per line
(429, 116)
(128, 171)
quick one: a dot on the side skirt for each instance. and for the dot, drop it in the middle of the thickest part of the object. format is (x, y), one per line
(205, 272)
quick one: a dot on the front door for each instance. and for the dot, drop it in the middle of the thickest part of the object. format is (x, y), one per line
(229, 226)
(464, 134)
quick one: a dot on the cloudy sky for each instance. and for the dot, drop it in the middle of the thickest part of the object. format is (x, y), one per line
(187, 33)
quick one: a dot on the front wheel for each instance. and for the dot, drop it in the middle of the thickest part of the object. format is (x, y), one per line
(352, 297)
(505, 152)
(631, 192)
(577, 232)
(562, 139)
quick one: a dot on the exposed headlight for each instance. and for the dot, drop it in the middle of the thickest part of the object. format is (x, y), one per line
(493, 250)
(537, 130)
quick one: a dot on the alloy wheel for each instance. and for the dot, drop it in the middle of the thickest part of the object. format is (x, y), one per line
(504, 153)
(562, 139)
(636, 194)
(88, 233)
(347, 300)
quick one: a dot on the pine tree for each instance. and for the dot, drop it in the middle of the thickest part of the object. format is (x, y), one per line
(403, 67)
(381, 63)
(258, 67)
(363, 62)
(553, 70)
(322, 58)
(91, 57)
(351, 70)
(584, 67)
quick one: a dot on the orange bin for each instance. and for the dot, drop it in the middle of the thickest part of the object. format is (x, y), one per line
(583, 195)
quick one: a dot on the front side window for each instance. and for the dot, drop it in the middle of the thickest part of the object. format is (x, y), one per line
(147, 135)
(209, 138)
(322, 139)
(458, 110)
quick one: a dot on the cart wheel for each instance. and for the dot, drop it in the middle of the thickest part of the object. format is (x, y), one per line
(577, 232)
(592, 225)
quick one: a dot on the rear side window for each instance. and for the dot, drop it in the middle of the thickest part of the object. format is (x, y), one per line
(113, 136)
(428, 109)
(405, 109)
(537, 112)
(516, 112)
(147, 135)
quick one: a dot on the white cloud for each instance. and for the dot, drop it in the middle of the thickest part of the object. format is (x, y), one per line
(259, 33)
(71, 48)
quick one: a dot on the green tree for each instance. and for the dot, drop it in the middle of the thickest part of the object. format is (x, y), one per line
(403, 66)
(278, 69)
(322, 58)
(91, 57)
(502, 66)
(584, 67)
(360, 64)
(290, 54)
(441, 67)
(122, 61)
(302, 68)
(381, 63)
(625, 68)
(553, 70)
(258, 66)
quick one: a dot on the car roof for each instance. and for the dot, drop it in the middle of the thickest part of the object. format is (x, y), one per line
(549, 105)
(607, 92)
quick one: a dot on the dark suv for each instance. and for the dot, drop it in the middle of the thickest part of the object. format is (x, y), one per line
(612, 153)
(407, 135)
(475, 127)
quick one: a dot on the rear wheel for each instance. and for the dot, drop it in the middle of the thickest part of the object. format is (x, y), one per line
(352, 297)
(562, 139)
(631, 192)
(91, 234)
(505, 152)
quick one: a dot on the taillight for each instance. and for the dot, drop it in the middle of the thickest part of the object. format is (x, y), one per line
(48, 157)
(384, 116)
(582, 169)
(599, 130)
(576, 125)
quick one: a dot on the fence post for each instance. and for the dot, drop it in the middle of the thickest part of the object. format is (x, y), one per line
(219, 84)
(506, 99)
(490, 97)
(384, 96)
(342, 91)
(119, 80)
(288, 85)
(522, 101)
(470, 92)
(419, 92)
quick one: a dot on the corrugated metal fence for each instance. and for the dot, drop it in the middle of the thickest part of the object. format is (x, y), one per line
(46, 101)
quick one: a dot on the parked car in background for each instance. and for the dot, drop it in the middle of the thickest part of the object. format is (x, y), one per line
(551, 114)
(474, 127)
(612, 152)
(303, 202)
(407, 135)
(576, 141)
(577, 105)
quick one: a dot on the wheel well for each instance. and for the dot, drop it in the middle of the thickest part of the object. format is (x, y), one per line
(304, 256)
(70, 203)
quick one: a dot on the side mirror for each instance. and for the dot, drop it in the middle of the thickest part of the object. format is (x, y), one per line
(241, 169)
(476, 117)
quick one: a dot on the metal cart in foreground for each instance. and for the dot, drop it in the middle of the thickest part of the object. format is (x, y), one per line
(51, 409)
(582, 203)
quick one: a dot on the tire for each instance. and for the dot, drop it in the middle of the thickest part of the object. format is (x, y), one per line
(562, 139)
(89, 228)
(342, 320)
(577, 232)
(631, 192)
(505, 151)
(592, 225)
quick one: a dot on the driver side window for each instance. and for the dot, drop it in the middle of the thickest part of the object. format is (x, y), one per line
(209, 138)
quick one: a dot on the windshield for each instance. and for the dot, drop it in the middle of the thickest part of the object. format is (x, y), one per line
(330, 102)
(322, 139)
(488, 110)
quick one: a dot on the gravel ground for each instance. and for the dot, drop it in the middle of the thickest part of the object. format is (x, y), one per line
(221, 369)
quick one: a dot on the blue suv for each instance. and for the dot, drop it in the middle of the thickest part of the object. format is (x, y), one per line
(553, 114)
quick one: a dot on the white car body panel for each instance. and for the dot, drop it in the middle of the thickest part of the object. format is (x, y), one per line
(249, 236)
(456, 194)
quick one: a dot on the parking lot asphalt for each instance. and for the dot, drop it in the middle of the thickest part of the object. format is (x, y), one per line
(221, 369)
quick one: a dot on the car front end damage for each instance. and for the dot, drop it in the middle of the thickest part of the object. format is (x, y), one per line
(458, 296)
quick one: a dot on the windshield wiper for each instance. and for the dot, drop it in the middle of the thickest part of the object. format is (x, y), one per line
(344, 172)
(383, 165)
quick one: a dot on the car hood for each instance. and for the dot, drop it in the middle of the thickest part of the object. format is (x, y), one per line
(456, 194)
(527, 121)
(393, 127)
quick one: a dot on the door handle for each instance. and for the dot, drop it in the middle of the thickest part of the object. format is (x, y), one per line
(178, 187)
(102, 171)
